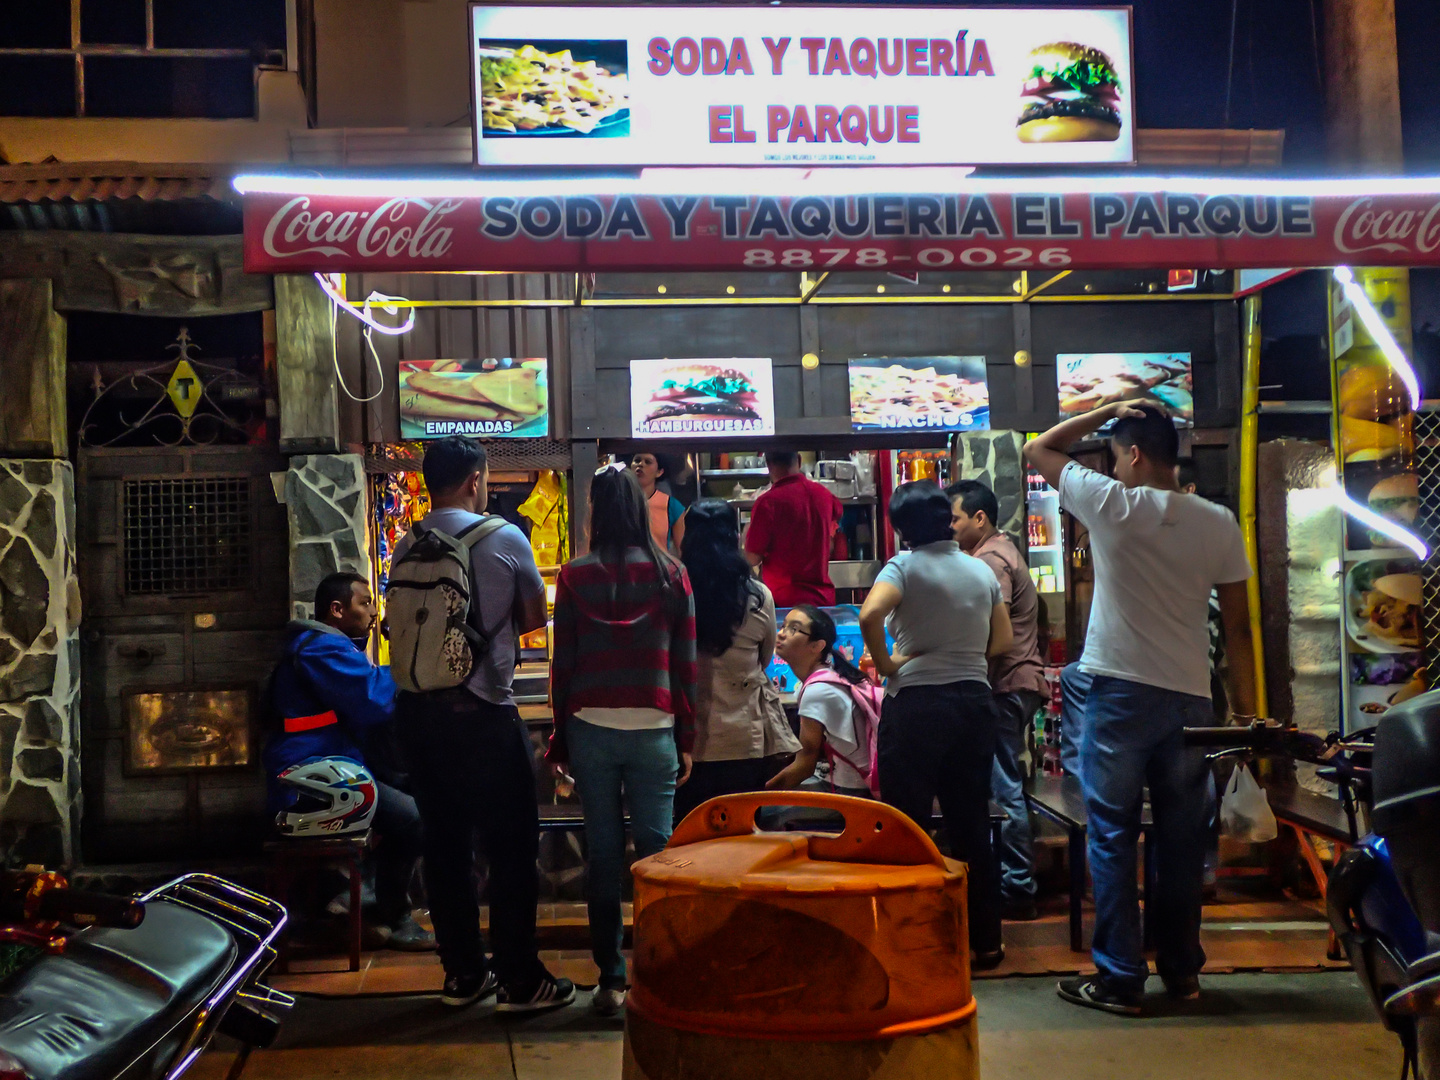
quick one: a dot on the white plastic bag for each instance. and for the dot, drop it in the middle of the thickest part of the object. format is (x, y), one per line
(1245, 812)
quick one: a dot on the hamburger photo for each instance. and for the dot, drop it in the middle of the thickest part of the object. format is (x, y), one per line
(703, 390)
(1072, 94)
(1396, 498)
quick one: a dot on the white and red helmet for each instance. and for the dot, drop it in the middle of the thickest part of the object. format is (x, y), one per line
(335, 797)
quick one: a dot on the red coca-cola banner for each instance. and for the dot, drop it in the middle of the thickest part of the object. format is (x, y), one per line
(294, 232)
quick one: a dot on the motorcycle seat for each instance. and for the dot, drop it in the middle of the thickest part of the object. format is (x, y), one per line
(114, 997)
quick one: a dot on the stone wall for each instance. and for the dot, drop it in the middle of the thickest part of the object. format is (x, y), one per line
(325, 499)
(993, 458)
(39, 664)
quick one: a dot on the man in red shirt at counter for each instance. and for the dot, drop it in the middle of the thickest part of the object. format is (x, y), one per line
(790, 534)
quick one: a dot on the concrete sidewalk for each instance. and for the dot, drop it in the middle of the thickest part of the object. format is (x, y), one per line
(1248, 1027)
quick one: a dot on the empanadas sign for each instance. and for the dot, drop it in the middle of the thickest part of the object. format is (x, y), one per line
(485, 399)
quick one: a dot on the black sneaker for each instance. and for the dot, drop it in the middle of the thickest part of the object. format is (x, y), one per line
(462, 990)
(548, 993)
(1186, 989)
(1092, 992)
(987, 961)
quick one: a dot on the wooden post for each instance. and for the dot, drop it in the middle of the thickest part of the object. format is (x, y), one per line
(1362, 86)
(32, 371)
(305, 367)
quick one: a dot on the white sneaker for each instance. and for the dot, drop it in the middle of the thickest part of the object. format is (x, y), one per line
(608, 1002)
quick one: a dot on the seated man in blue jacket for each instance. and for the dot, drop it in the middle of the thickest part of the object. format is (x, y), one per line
(330, 701)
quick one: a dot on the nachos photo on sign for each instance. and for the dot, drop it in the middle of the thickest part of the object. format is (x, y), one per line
(947, 393)
(565, 88)
(486, 399)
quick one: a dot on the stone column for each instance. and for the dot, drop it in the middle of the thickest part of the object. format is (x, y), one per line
(325, 498)
(39, 663)
(993, 458)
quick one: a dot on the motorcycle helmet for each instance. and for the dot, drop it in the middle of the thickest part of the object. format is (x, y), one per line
(335, 796)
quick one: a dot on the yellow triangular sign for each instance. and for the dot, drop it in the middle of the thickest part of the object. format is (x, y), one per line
(184, 389)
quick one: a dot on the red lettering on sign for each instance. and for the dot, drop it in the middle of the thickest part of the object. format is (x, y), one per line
(687, 56)
(917, 52)
(882, 132)
(980, 59)
(712, 56)
(942, 57)
(812, 47)
(776, 49)
(720, 124)
(827, 123)
(892, 63)
(835, 61)
(742, 133)
(909, 117)
(800, 126)
(777, 119)
(738, 61)
(660, 61)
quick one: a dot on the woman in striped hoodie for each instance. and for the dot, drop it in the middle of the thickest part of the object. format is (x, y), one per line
(622, 687)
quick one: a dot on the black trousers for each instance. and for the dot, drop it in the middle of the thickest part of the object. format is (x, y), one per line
(397, 824)
(939, 742)
(472, 771)
(710, 779)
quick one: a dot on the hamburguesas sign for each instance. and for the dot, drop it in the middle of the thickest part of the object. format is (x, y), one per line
(810, 85)
(300, 226)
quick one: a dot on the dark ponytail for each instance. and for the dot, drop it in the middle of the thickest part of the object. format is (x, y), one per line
(822, 628)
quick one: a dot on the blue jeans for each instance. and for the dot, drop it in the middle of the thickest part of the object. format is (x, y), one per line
(1074, 688)
(1133, 737)
(605, 762)
(1007, 787)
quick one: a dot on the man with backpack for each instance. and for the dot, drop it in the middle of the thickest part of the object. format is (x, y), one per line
(463, 587)
(330, 701)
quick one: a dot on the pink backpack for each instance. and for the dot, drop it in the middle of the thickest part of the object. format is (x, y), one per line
(865, 699)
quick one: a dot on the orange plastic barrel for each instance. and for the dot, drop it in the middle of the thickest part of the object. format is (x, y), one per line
(814, 955)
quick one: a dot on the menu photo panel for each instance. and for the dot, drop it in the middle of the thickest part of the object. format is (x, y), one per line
(672, 399)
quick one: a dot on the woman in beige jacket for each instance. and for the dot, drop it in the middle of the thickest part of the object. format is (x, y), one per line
(735, 638)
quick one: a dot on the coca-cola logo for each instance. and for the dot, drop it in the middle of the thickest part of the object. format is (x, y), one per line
(1362, 227)
(399, 228)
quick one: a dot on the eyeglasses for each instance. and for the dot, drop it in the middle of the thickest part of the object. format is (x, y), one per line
(788, 628)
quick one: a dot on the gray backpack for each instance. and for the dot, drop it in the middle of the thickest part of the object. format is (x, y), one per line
(428, 598)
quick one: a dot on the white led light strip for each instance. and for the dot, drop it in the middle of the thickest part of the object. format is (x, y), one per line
(1379, 333)
(1385, 526)
(831, 181)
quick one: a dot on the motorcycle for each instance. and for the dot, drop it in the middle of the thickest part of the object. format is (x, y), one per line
(1383, 894)
(118, 987)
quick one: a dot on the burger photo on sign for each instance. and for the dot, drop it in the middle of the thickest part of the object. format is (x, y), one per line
(1072, 94)
(704, 390)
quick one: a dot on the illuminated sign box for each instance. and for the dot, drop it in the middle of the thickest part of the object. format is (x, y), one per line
(484, 399)
(919, 393)
(1091, 380)
(808, 86)
(677, 399)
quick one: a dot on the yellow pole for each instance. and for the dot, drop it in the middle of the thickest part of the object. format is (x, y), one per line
(1249, 467)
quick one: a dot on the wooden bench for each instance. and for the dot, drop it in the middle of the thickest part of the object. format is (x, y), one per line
(290, 858)
(1059, 799)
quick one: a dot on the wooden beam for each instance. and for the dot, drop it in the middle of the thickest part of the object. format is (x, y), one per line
(1362, 86)
(32, 371)
(305, 365)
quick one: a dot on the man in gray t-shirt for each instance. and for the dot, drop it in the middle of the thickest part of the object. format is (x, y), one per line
(472, 764)
(508, 590)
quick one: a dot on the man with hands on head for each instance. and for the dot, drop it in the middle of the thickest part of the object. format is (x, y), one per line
(1157, 553)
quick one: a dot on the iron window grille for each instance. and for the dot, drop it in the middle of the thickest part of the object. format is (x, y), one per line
(187, 536)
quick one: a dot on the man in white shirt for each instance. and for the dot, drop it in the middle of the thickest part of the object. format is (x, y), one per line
(1157, 554)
